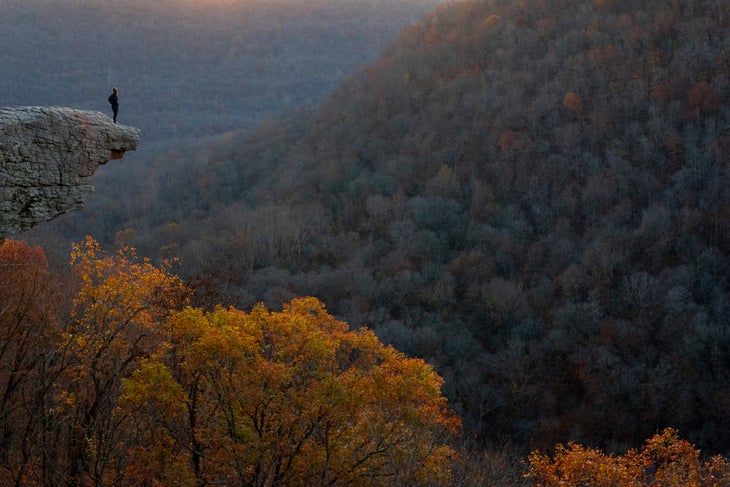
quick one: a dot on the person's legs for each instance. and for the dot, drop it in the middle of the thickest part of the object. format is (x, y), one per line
(115, 109)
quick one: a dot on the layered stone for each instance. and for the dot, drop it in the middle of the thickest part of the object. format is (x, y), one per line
(47, 155)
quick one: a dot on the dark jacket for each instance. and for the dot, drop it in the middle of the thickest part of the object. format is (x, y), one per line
(113, 99)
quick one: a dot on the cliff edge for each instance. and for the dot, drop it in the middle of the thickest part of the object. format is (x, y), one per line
(47, 155)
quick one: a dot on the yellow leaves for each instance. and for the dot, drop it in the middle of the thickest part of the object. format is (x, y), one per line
(171, 395)
(296, 390)
(187, 325)
(492, 19)
(153, 381)
(666, 460)
(204, 398)
(115, 326)
(86, 251)
(119, 290)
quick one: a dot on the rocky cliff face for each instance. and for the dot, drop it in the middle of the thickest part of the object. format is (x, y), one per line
(47, 155)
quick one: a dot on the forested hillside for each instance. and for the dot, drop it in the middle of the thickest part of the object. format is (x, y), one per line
(532, 195)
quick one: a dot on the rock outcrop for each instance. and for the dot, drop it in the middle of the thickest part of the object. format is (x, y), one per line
(47, 155)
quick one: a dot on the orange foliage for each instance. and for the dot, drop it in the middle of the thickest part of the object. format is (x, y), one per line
(492, 19)
(120, 291)
(431, 37)
(28, 325)
(114, 324)
(285, 396)
(573, 102)
(125, 237)
(149, 394)
(22, 270)
(665, 460)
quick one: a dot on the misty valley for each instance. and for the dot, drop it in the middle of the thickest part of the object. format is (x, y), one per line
(376, 242)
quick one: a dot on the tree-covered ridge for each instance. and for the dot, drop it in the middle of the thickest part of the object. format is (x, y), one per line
(531, 195)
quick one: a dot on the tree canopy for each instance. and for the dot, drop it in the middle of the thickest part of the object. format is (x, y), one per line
(131, 386)
(664, 460)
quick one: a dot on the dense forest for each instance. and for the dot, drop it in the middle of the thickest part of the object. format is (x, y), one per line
(530, 195)
(109, 377)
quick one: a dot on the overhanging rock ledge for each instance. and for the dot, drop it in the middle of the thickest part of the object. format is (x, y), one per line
(47, 155)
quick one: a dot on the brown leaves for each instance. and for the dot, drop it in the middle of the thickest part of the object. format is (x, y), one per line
(573, 102)
(702, 99)
(29, 302)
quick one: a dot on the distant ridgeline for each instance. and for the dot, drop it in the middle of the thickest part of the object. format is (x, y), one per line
(189, 68)
(47, 155)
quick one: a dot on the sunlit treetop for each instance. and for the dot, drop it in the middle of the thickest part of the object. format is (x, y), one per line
(287, 396)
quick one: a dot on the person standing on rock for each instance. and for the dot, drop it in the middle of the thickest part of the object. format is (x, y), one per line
(114, 100)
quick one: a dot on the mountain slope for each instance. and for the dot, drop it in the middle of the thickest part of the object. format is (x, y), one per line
(532, 195)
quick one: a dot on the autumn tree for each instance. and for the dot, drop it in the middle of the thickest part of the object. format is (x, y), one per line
(277, 398)
(665, 460)
(114, 324)
(29, 302)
